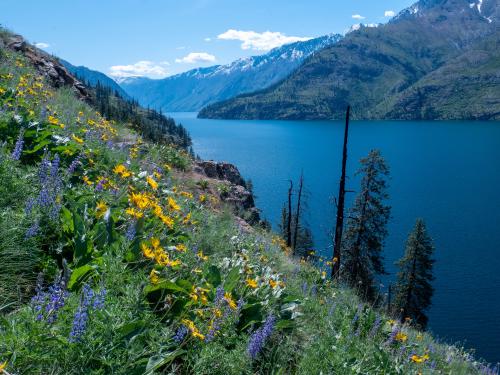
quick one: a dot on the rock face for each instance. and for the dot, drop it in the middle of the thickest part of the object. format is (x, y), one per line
(221, 171)
(235, 190)
(46, 65)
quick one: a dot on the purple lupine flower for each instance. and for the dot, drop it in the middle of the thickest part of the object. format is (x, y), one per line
(100, 185)
(99, 299)
(356, 316)
(393, 334)
(18, 148)
(33, 230)
(38, 300)
(260, 336)
(47, 304)
(131, 231)
(74, 164)
(43, 170)
(213, 329)
(219, 295)
(57, 295)
(376, 326)
(30, 204)
(180, 334)
(314, 290)
(89, 301)
(239, 306)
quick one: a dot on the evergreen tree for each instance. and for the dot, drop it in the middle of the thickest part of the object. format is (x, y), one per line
(366, 228)
(413, 289)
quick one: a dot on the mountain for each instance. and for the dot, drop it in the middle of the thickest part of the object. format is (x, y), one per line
(192, 90)
(438, 59)
(91, 77)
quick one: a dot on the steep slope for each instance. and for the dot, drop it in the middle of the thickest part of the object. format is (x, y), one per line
(92, 77)
(373, 69)
(192, 90)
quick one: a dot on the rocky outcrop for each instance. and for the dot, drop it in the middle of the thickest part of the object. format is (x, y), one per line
(234, 190)
(46, 65)
(221, 171)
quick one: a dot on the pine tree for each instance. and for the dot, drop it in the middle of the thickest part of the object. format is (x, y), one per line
(366, 228)
(413, 289)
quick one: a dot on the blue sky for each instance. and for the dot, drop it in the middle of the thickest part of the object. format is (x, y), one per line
(157, 38)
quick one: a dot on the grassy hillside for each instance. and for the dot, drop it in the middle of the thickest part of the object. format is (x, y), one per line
(406, 69)
(117, 259)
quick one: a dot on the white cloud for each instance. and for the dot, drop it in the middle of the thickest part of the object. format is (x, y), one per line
(142, 68)
(207, 39)
(389, 13)
(42, 45)
(259, 41)
(358, 17)
(196, 57)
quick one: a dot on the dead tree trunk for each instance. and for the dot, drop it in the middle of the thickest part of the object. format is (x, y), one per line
(289, 218)
(297, 213)
(340, 205)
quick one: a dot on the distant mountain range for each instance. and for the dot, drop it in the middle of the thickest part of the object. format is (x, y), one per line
(438, 59)
(91, 77)
(194, 89)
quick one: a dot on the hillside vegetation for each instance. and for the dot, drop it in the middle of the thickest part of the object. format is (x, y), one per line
(116, 259)
(437, 60)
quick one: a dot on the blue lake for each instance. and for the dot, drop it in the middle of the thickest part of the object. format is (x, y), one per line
(448, 173)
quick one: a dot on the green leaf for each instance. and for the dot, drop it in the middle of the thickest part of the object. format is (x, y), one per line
(158, 361)
(79, 275)
(165, 285)
(250, 314)
(232, 279)
(213, 276)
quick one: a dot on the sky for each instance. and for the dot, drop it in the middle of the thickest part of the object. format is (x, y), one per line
(158, 38)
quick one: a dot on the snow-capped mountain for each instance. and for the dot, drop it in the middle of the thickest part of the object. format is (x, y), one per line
(192, 90)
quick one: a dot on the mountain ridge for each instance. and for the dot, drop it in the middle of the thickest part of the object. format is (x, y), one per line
(192, 90)
(371, 68)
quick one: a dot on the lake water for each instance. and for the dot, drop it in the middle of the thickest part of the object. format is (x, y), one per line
(448, 173)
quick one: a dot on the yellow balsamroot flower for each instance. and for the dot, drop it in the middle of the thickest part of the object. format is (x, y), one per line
(172, 204)
(101, 209)
(152, 183)
(87, 180)
(141, 201)
(187, 219)
(251, 283)
(53, 120)
(230, 301)
(181, 247)
(121, 170)
(419, 358)
(186, 194)
(273, 283)
(194, 331)
(177, 262)
(147, 251)
(201, 256)
(2, 367)
(420, 337)
(155, 242)
(196, 270)
(77, 139)
(202, 198)
(2, 91)
(400, 336)
(154, 276)
(133, 212)
(157, 175)
(168, 221)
